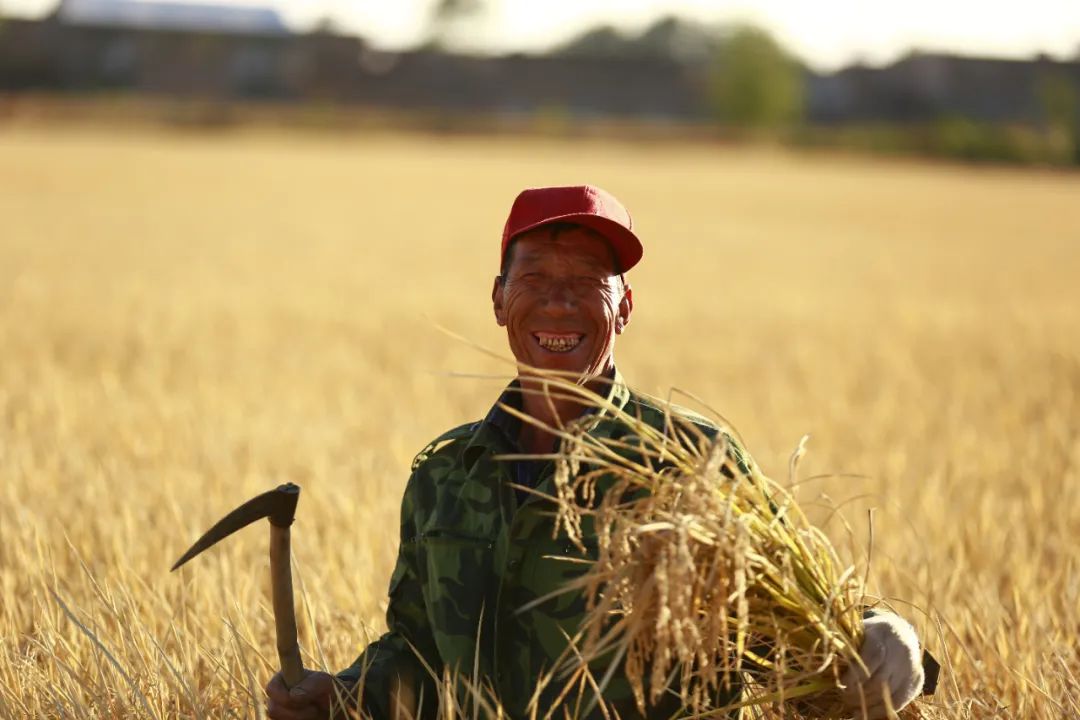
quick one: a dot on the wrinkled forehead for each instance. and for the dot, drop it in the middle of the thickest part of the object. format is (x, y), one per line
(577, 247)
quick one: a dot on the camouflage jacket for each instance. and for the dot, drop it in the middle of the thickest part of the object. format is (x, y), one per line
(473, 551)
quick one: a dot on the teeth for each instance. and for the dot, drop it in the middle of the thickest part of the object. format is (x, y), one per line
(558, 343)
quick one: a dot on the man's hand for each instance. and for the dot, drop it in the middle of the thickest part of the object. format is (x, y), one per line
(893, 660)
(311, 699)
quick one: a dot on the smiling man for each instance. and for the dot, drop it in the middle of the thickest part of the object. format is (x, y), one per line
(478, 558)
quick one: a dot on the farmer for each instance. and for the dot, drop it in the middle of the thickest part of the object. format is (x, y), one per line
(474, 549)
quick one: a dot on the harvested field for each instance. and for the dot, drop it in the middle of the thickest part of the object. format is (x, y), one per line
(187, 320)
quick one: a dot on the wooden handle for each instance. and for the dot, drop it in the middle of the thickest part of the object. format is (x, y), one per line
(292, 667)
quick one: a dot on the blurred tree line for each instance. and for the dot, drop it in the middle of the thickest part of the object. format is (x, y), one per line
(750, 79)
(738, 78)
(755, 87)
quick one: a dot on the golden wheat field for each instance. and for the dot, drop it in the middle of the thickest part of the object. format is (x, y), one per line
(187, 320)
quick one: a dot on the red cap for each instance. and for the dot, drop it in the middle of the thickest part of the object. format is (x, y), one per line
(585, 205)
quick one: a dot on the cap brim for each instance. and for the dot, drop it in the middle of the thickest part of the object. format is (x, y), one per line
(624, 242)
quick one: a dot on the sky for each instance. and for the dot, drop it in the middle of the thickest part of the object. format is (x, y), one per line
(827, 34)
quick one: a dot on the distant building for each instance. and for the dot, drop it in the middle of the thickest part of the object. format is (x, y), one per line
(148, 47)
(230, 52)
(923, 86)
(225, 52)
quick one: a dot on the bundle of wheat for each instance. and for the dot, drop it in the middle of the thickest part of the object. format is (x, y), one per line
(708, 574)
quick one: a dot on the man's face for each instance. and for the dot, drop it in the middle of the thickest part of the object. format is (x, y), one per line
(561, 302)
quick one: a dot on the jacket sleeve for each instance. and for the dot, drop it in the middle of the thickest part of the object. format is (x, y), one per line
(392, 656)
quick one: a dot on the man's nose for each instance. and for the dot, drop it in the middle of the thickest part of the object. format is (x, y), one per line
(560, 297)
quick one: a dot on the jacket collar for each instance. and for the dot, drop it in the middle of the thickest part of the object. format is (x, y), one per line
(499, 429)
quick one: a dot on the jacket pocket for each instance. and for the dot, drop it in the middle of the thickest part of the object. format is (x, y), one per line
(458, 579)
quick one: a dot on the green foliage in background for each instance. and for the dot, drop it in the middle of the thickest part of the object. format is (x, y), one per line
(755, 83)
(1057, 96)
(669, 38)
(951, 137)
(1061, 111)
(450, 21)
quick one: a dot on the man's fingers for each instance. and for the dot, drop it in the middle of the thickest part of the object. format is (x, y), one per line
(871, 704)
(315, 683)
(316, 690)
(309, 699)
(279, 696)
(276, 711)
(875, 699)
(865, 695)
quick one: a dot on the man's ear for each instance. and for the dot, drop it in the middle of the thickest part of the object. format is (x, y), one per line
(497, 301)
(626, 306)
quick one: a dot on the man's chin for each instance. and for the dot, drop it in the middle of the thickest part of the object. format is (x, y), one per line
(564, 364)
(575, 364)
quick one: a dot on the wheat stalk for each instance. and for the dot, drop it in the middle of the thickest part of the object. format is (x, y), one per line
(708, 574)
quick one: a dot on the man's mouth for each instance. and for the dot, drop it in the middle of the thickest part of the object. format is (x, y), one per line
(558, 342)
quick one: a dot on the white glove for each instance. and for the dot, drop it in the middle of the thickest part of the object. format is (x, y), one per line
(893, 660)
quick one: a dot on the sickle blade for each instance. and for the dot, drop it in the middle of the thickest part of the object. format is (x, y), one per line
(279, 505)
